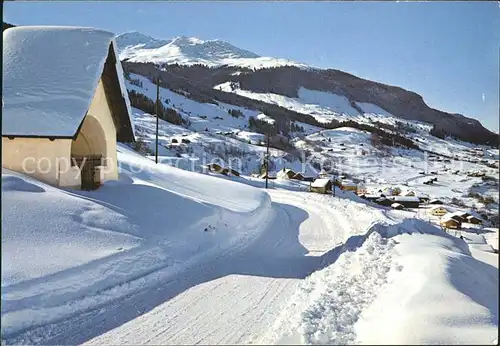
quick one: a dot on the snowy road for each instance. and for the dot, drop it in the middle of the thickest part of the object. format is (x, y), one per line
(233, 297)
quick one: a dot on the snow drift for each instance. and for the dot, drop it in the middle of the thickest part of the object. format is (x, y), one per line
(94, 247)
(405, 283)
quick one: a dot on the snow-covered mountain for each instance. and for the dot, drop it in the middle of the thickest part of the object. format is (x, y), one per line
(137, 47)
(220, 62)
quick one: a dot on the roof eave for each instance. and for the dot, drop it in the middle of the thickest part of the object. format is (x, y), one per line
(37, 136)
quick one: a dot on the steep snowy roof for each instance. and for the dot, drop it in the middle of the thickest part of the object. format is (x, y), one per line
(322, 182)
(50, 75)
(449, 218)
(405, 198)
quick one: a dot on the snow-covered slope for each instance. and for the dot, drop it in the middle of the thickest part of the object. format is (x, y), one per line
(137, 47)
(323, 106)
(407, 283)
(66, 251)
(182, 257)
(75, 231)
(213, 133)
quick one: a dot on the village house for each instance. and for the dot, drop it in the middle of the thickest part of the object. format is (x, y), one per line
(267, 175)
(298, 176)
(397, 206)
(454, 216)
(438, 210)
(435, 201)
(361, 189)
(309, 178)
(406, 201)
(323, 174)
(384, 201)
(234, 172)
(451, 223)
(285, 173)
(423, 199)
(462, 215)
(371, 198)
(214, 167)
(348, 185)
(474, 220)
(321, 185)
(65, 105)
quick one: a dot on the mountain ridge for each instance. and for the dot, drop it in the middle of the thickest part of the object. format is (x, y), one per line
(137, 47)
(285, 78)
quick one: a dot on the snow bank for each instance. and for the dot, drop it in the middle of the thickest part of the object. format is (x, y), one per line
(45, 231)
(492, 237)
(68, 251)
(442, 295)
(405, 283)
(200, 187)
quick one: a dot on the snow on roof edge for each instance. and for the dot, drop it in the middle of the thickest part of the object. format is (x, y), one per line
(99, 70)
(320, 182)
(123, 88)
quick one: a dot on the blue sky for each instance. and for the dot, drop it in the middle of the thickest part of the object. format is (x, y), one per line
(448, 52)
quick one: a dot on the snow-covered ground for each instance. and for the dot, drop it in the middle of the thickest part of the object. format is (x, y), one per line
(166, 256)
(156, 225)
(66, 251)
(407, 283)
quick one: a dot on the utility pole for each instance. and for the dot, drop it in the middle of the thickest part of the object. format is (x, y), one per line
(157, 116)
(267, 156)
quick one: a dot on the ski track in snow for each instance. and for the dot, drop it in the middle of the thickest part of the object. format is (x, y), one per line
(231, 297)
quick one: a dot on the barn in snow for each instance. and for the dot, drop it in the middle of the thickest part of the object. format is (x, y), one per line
(65, 105)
